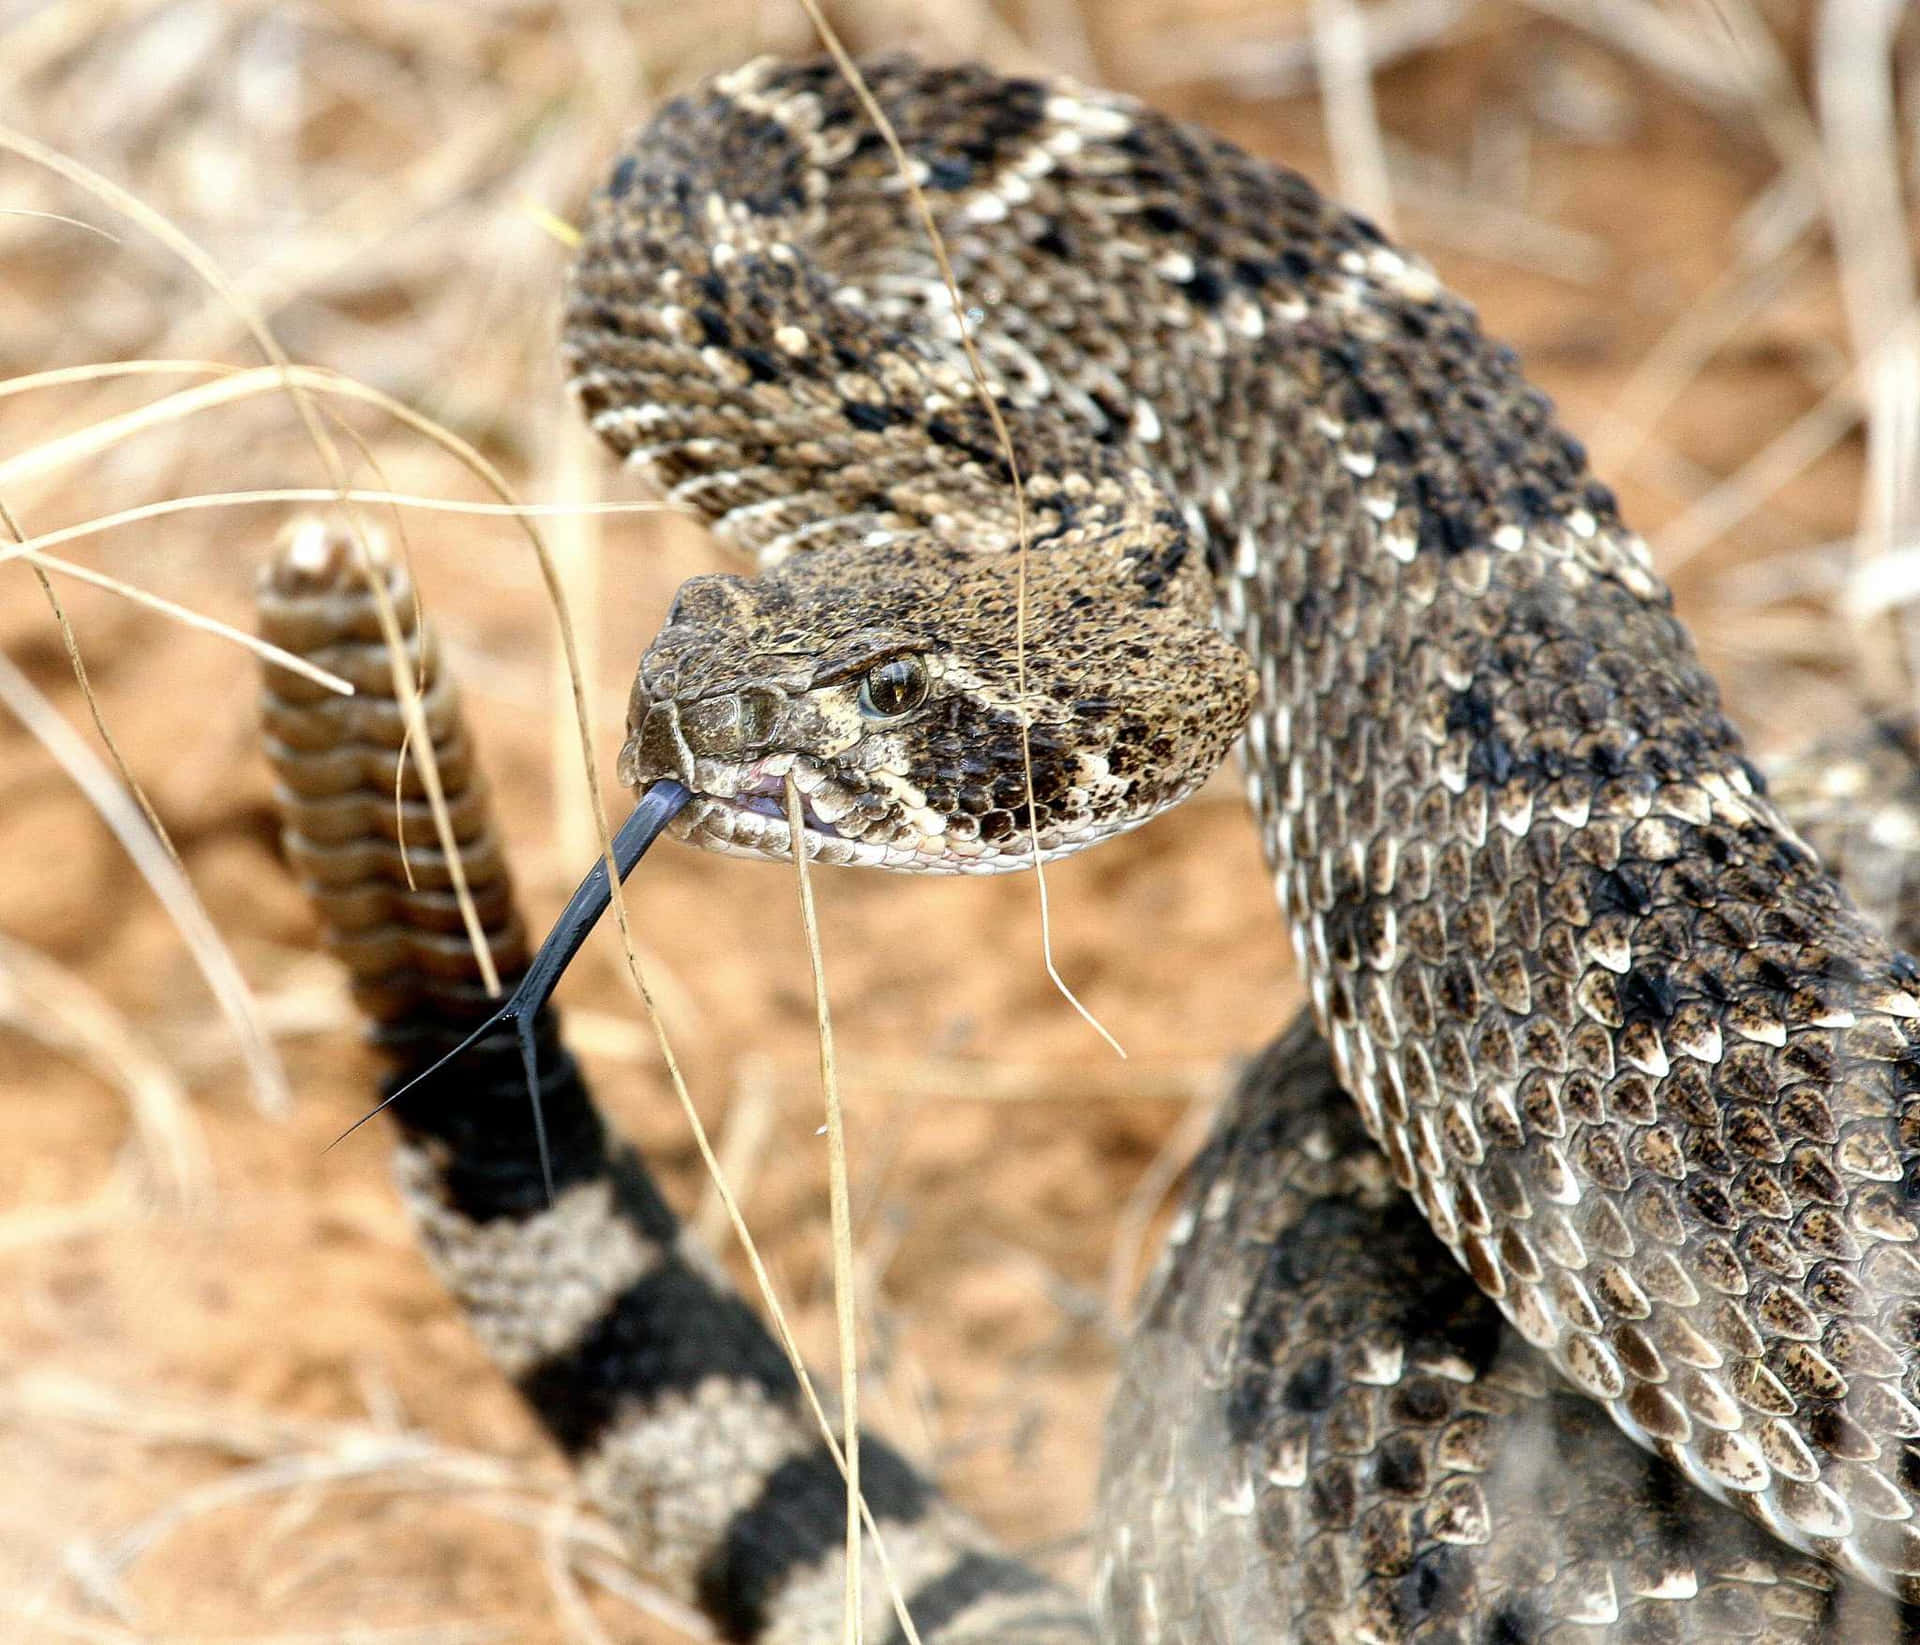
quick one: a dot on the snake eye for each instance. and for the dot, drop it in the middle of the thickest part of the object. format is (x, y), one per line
(894, 688)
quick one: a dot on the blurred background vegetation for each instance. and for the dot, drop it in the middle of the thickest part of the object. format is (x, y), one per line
(233, 1405)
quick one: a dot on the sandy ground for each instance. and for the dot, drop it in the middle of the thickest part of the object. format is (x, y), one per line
(233, 1404)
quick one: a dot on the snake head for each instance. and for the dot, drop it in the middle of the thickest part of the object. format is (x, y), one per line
(886, 686)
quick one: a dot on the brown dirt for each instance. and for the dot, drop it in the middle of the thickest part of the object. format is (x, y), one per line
(196, 1407)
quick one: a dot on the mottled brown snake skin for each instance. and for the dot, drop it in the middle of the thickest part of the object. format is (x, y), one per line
(1640, 1064)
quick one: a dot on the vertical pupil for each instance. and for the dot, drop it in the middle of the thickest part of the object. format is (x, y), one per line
(893, 687)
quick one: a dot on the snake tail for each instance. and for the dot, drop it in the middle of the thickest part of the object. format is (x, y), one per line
(679, 1412)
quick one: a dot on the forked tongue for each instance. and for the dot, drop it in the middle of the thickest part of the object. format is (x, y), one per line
(656, 809)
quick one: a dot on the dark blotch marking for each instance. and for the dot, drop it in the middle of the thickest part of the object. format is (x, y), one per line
(1471, 710)
(1310, 1388)
(797, 1520)
(1247, 1404)
(1399, 1466)
(1154, 571)
(1053, 242)
(1840, 968)
(1646, 994)
(1773, 976)
(1421, 1400)
(1119, 421)
(874, 419)
(1910, 1467)
(759, 148)
(761, 365)
(949, 172)
(1445, 530)
(943, 433)
(972, 1578)
(1459, 992)
(1492, 760)
(638, 1200)
(1206, 288)
(1621, 891)
(1516, 1622)
(480, 1116)
(1436, 1584)
(667, 1332)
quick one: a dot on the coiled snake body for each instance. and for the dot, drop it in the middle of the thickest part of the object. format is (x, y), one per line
(1642, 1067)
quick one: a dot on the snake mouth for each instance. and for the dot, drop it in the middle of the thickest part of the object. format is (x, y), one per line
(756, 825)
(740, 810)
(773, 807)
(759, 789)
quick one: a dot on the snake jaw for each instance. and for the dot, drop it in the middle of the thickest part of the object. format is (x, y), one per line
(760, 788)
(741, 810)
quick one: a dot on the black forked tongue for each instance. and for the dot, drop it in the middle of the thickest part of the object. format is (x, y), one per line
(521, 1008)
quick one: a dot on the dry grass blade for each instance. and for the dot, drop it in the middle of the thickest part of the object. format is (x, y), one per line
(317, 380)
(1789, 453)
(60, 217)
(1656, 36)
(750, 1248)
(96, 371)
(231, 384)
(35, 546)
(917, 195)
(185, 248)
(302, 1461)
(70, 643)
(763, 1281)
(49, 1626)
(1259, 59)
(748, 1128)
(1868, 210)
(307, 379)
(1741, 293)
(615, 1578)
(239, 1431)
(186, 616)
(839, 1212)
(162, 871)
(51, 1004)
(576, 549)
(1353, 124)
(1452, 213)
(1124, 1261)
(556, 1535)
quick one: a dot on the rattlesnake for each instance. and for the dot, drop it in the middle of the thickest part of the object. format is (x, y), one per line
(1641, 1065)
(1282, 1402)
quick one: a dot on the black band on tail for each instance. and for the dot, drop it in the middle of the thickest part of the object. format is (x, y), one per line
(521, 1010)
